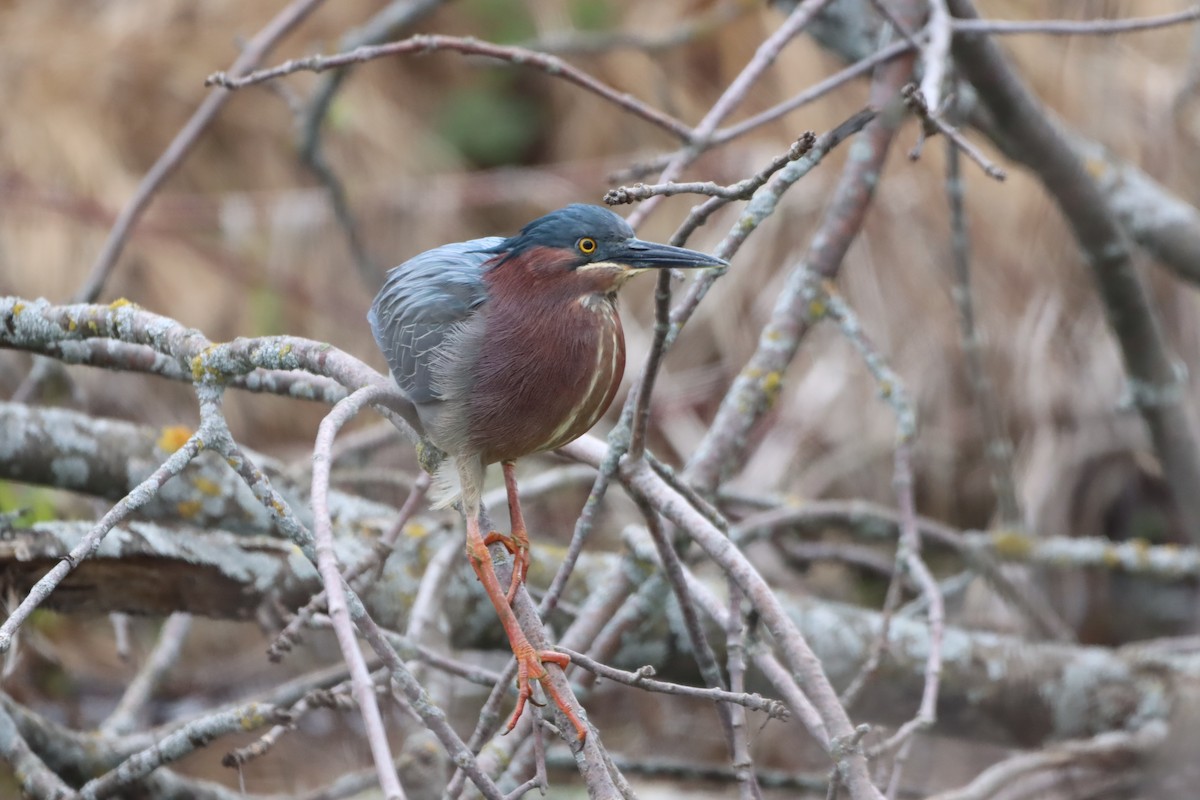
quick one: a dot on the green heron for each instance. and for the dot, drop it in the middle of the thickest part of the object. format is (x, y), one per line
(508, 347)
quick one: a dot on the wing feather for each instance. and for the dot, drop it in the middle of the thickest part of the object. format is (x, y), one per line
(422, 302)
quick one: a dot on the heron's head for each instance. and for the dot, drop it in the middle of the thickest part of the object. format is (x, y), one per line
(590, 248)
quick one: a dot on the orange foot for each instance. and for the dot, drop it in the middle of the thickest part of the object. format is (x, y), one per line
(529, 666)
(529, 660)
(518, 546)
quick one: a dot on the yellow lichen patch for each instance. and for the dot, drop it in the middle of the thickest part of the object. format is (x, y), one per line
(92, 326)
(17, 309)
(817, 308)
(121, 302)
(206, 486)
(72, 324)
(172, 438)
(252, 718)
(772, 382)
(1141, 549)
(187, 508)
(285, 351)
(1011, 544)
(415, 530)
(1096, 167)
(199, 364)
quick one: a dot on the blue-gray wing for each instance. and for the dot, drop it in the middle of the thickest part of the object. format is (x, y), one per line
(422, 301)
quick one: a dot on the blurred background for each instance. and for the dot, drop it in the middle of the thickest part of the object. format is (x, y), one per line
(243, 241)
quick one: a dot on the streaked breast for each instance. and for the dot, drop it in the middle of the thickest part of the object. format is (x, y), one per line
(544, 379)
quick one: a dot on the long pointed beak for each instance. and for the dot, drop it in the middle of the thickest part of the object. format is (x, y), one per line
(638, 254)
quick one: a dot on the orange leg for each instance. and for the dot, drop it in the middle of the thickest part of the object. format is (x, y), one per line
(529, 661)
(518, 542)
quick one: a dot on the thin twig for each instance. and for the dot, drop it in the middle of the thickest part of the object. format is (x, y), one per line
(644, 389)
(643, 678)
(338, 697)
(872, 520)
(425, 44)
(959, 27)
(935, 57)
(909, 555)
(742, 190)
(588, 516)
(814, 92)
(433, 717)
(916, 102)
(761, 206)
(181, 742)
(755, 390)
(641, 480)
(394, 17)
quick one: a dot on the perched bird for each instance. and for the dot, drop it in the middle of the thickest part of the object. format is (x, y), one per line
(508, 347)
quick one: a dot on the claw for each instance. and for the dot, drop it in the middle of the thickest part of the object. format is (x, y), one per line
(529, 666)
(529, 661)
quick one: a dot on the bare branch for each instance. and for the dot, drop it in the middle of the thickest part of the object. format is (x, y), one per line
(425, 44)
(336, 597)
(644, 679)
(917, 103)
(742, 190)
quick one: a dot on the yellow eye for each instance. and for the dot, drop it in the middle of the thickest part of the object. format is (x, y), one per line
(586, 245)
